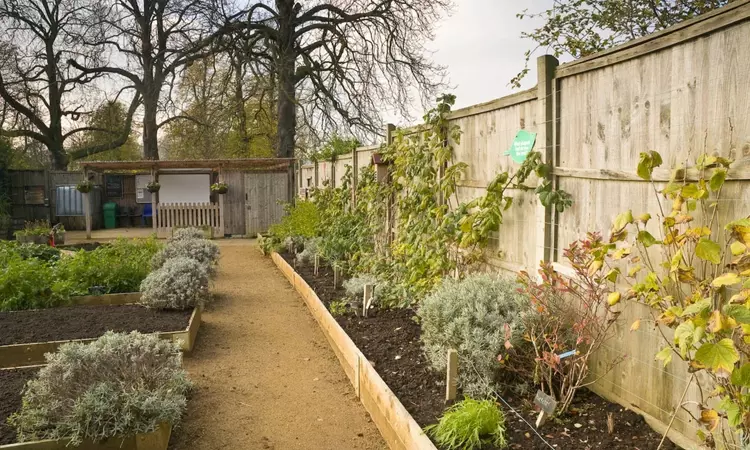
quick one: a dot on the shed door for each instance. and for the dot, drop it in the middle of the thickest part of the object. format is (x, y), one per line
(266, 194)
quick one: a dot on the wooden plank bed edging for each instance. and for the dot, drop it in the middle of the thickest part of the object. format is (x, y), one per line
(31, 354)
(107, 299)
(396, 425)
(156, 440)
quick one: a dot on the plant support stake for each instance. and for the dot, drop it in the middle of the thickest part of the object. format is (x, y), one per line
(317, 265)
(337, 281)
(451, 375)
(367, 300)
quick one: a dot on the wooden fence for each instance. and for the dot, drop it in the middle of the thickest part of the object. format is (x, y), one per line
(681, 92)
(177, 215)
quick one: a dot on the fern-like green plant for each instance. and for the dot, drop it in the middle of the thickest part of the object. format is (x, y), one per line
(470, 424)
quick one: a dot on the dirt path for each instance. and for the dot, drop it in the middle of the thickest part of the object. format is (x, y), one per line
(265, 376)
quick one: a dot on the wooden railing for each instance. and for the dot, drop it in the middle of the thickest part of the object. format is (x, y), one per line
(177, 215)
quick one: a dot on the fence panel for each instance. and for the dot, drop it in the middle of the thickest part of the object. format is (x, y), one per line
(177, 215)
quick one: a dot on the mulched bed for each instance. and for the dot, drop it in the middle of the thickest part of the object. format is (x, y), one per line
(390, 340)
(11, 383)
(83, 322)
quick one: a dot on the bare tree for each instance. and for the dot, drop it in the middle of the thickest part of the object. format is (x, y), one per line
(155, 40)
(342, 61)
(43, 96)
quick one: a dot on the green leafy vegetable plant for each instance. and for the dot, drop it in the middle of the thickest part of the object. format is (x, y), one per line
(470, 425)
(338, 308)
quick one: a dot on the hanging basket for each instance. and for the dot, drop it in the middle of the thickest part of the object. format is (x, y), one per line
(85, 186)
(153, 187)
(220, 188)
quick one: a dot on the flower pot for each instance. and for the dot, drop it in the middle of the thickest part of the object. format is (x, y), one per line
(60, 238)
(222, 190)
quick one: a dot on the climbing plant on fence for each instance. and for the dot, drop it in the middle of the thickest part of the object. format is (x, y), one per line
(435, 232)
(694, 272)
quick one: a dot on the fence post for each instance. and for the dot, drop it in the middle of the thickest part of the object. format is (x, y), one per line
(154, 201)
(546, 66)
(390, 201)
(315, 175)
(332, 181)
(355, 176)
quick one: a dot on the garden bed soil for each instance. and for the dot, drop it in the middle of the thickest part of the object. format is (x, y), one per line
(12, 382)
(390, 339)
(86, 322)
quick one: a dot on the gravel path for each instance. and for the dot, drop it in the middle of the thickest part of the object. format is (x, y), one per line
(265, 376)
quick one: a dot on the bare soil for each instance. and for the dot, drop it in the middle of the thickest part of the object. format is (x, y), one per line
(12, 382)
(84, 322)
(390, 339)
(265, 376)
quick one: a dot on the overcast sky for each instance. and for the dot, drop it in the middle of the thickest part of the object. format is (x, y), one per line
(482, 47)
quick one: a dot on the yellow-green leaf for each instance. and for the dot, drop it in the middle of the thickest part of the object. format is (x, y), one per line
(645, 238)
(717, 179)
(665, 355)
(636, 325)
(727, 279)
(613, 298)
(720, 356)
(741, 376)
(622, 220)
(634, 270)
(708, 250)
(621, 253)
(644, 218)
(647, 163)
(737, 248)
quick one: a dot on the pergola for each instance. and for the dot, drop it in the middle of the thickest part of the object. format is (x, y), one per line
(155, 166)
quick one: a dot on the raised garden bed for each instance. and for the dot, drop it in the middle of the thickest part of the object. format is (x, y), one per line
(390, 340)
(11, 384)
(25, 336)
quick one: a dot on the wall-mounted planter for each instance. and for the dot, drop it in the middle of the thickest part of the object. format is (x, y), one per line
(156, 440)
(396, 425)
(32, 354)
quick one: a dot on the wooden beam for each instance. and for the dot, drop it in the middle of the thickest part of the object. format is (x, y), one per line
(659, 174)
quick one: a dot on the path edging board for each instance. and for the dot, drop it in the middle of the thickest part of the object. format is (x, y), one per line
(156, 440)
(31, 354)
(396, 425)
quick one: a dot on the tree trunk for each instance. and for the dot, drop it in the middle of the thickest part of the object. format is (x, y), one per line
(239, 103)
(59, 157)
(150, 129)
(286, 57)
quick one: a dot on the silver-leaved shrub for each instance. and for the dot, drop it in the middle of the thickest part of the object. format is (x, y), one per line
(312, 248)
(201, 250)
(118, 385)
(187, 233)
(181, 283)
(479, 317)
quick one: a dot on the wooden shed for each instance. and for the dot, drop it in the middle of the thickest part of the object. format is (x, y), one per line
(258, 189)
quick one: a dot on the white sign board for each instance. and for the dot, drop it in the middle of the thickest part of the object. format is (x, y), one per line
(185, 188)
